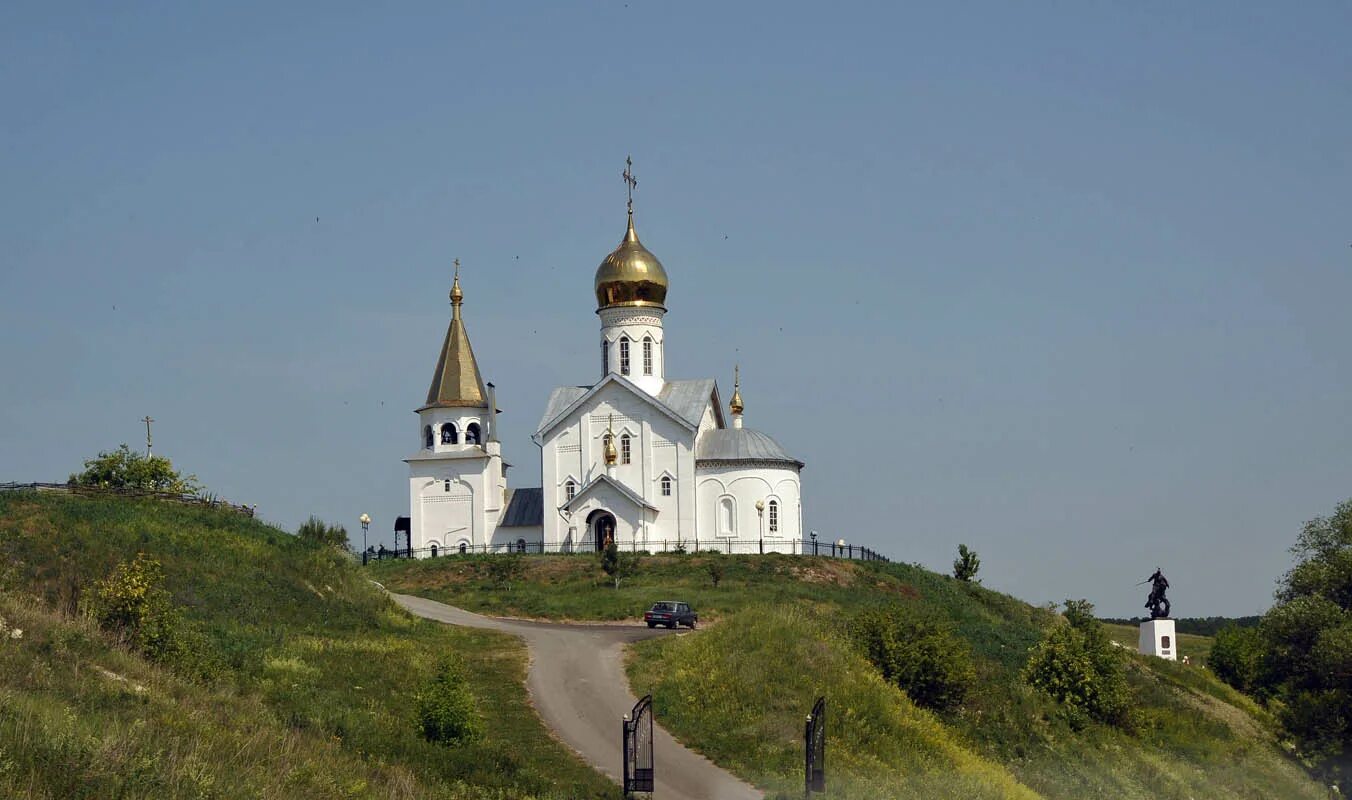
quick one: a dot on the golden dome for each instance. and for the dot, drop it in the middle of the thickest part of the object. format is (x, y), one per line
(631, 276)
(736, 404)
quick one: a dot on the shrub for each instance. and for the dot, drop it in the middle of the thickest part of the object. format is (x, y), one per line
(919, 653)
(133, 602)
(123, 469)
(618, 565)
(1079, 667)
(503, 569)
(316, 531)
(966, 565)
(446, 713)
(1236, 656)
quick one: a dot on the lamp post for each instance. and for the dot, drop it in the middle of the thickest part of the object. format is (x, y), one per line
(814, 542)
(760, 512)
(841, 544)
(365, 520)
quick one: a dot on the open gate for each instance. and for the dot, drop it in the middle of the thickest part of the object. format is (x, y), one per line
(638, 748)
(814, 746)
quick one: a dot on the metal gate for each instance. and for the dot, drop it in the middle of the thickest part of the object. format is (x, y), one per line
(814, 746)
(638, 748)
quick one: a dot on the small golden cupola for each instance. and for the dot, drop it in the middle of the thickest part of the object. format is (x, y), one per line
(631, 276)
(735, 404)
(456, 382)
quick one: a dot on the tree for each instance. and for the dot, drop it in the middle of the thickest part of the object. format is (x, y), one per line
(616, 564)
(966, 565)
(918, 652)
(1306, 644)
(317, 532)
(714, 565)
(1077, 665)
(1236, 657)
(124, 469)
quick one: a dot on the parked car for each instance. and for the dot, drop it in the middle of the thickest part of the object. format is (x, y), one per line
(671, 613)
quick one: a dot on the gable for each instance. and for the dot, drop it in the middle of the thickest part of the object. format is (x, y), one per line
(560, 394)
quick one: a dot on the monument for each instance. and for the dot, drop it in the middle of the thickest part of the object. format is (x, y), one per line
(1157, 635)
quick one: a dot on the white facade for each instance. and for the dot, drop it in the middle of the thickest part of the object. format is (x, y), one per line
(680, 476)
(1158, 639)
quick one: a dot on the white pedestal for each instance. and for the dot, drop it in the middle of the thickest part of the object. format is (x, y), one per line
(1158, 639)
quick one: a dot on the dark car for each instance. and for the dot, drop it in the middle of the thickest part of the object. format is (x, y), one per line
(671, 613)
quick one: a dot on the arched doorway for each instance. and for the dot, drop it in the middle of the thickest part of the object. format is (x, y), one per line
(601, 526)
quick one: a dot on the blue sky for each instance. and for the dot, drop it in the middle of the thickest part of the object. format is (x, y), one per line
(1065, 282)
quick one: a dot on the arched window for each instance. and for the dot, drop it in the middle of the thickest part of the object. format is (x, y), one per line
(427, 436)
(446, 487)
(727, 517)
(463, 548)
(624, 355)
(625, 452)
(647, 355)
(774, 516)
(605, 356)
(448, 434)
(569, 490)
(472, 433)
(520, 545)
(666, 486)
(434, 551)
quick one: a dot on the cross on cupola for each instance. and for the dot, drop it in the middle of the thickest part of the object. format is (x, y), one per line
(630, 181)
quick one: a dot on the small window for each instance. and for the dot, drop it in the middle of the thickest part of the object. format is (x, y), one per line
(647, 355)
(427, 436)
(448, 434)
(447, 486)
(774, 516)
(472, 433)
(624, 355)
(666, 486)
(624, 449)
(605, 356)
(569, 490)
(520, 545)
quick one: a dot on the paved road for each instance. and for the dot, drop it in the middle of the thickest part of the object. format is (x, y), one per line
(578, 685)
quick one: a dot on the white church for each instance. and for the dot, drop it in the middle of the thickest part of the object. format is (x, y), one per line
(647, 460)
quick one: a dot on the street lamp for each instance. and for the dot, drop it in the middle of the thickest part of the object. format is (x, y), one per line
(841, 544)
(814, 542)
(365, 520)
(760, 512)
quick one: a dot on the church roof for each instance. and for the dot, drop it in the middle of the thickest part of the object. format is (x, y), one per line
(740, 445)
(525, 507)
(682, 400)
(456, 382)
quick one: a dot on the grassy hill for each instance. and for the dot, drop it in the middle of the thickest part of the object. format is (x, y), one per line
(739, 689)
(299, 679)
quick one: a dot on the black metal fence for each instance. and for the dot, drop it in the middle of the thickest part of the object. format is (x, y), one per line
(799, 547)
(99, 491)
(638, 748)
(814, 750)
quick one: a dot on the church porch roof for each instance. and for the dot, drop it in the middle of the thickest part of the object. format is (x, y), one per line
(592, 485)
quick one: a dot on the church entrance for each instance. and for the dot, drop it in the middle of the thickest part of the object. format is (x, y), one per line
(601, 525)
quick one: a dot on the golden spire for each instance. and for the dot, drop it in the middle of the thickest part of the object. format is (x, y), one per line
(456, 382)
(736, 403)
(457, 296)
(611, 455)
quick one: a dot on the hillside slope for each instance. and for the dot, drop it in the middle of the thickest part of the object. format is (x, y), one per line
(300, 682)
(739, 690)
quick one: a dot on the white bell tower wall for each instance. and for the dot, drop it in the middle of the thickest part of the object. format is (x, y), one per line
(633, 345)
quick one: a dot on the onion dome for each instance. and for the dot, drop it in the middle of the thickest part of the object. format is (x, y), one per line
(611, 455)
(631, 276)
(735, 405)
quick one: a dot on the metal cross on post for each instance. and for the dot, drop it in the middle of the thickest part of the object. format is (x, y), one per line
(630, 180)
(147, 421)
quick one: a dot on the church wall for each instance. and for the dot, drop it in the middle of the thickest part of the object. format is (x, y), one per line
(745, 484)
(575, 448)
(446, 518)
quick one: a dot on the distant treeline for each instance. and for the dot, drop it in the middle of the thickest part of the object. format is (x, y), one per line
(1201, 626)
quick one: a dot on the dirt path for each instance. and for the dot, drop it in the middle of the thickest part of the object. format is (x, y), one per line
(578, 685)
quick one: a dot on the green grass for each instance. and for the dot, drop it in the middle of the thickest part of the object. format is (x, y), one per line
(302, 683)
(738, 689)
